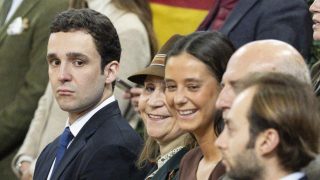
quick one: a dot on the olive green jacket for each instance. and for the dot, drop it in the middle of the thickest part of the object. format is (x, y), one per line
(23, 70)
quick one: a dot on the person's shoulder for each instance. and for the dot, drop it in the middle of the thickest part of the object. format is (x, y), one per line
(278, 3)
(116, 129)
(193, 156)
(54, 4)
(129, 22)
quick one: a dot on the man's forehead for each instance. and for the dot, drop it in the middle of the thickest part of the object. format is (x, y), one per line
(241, 104)
(244, 67)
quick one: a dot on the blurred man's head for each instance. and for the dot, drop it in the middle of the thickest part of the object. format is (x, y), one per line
(260, 56)
(272, 128)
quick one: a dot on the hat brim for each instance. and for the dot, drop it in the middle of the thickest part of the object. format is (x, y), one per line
(140, 76)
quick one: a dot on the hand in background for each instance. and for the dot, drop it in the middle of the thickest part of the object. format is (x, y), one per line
(24, 169)
(133, 94)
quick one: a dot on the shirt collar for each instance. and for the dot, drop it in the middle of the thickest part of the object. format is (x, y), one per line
(81, 121)
(293, 176)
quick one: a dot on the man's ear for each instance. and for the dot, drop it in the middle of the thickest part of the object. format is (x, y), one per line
(111, 71)
(267, 141)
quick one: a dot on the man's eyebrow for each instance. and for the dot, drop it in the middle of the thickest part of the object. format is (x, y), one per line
(76, 55)
(51, 56)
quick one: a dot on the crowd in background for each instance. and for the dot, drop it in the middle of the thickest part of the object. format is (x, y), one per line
(182, 67)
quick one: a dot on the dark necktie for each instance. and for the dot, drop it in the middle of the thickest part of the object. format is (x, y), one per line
(64, 140)
(4, 11)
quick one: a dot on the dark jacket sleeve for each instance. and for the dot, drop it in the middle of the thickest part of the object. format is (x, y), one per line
(113, 162)
(289, 21)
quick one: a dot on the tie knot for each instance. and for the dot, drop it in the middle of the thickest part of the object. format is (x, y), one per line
(66, 137)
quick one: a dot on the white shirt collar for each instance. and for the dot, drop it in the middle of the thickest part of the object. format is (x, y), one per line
(293, 176)
(81, 121)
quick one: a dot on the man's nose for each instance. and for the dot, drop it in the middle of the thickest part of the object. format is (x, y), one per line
(221, 141)
(64, 73)
(225, 98)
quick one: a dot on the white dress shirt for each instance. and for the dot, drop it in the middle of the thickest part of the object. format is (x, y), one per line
(293, 176)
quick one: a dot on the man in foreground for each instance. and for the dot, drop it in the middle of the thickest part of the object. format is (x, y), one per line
(97, 143)
(271, 130)
(264, 56)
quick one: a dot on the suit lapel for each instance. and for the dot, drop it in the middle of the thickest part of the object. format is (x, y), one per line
(70, 154)
(22, 10)
(84, 135)
(236, 15)
(47, 161)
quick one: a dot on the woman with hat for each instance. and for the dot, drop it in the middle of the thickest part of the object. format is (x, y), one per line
(166, 142)
(193, 72)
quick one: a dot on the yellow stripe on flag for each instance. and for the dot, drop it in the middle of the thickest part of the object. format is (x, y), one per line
(169, 20)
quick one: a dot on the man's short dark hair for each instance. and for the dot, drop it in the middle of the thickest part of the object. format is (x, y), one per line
(283, 103)
(97, 25)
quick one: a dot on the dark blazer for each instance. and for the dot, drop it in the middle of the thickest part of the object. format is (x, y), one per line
(227, 178)
(169, 170)
(105, 148)
(250, 20)
(304, 178)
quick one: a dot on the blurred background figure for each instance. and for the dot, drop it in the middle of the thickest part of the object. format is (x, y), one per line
(265, 131)
(201, 59)
(315, 69)
(133, 22)
(165, 142)
(24, 32)
(245, 21)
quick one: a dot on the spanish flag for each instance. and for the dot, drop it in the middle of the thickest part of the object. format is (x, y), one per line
(177, 16)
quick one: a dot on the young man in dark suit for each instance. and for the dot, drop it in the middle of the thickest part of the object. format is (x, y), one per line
(83, 57)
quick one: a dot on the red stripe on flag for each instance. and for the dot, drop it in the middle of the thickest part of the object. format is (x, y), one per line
(193, 4)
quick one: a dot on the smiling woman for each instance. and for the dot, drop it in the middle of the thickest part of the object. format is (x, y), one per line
(166, 142)
(191, 94)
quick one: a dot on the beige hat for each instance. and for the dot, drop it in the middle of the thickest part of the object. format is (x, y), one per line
(156, 68)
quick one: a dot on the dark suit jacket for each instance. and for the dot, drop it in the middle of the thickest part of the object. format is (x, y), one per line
(23, 73)
(227, 178)
(250, 20)
(169, 170)
(304, 178)
(105, 148)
